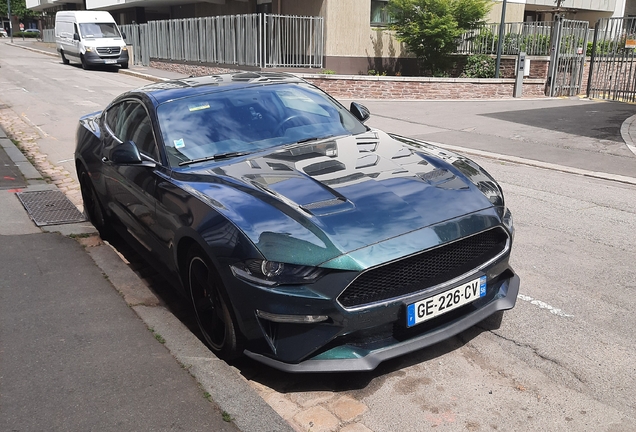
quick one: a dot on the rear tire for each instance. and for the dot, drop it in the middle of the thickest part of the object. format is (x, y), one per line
(64, 59)
(211, 307)
(92, 207)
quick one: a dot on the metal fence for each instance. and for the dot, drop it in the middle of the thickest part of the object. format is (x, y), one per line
(613, 60)
(531, 37)
(260, 40)
(565, 75)
(48, 35)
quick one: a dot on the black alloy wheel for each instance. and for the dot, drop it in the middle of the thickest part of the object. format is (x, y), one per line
(92, 207)
(211, 307)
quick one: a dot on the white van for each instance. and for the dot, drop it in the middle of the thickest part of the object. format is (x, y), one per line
(90, 38)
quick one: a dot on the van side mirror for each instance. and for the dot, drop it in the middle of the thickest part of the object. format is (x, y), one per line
(76, 36)
(123, 35)
(360, 111)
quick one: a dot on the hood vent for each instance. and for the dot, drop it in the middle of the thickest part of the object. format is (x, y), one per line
(322, 168)
(323, 204)
(367, 142)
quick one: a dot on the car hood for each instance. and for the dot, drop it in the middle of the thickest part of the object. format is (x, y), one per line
(313, 202)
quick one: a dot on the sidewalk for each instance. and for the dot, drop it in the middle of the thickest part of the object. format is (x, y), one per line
(76, 356)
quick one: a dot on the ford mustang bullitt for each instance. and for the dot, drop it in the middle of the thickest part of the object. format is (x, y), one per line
(303, 238)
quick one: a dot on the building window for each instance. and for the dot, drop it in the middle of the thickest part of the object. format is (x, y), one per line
(379, 15)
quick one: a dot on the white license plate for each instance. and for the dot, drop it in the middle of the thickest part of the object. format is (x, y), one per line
(110, 61)
(441, 303)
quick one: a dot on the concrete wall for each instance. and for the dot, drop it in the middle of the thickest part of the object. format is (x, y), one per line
(195, 10)
(593, 5)
(514, 12)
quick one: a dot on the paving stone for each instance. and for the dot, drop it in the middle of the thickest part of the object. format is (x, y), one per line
(355, 427)
(282, 405)
(316, 419)
(347, 408)
(91, 241)
(308, 399)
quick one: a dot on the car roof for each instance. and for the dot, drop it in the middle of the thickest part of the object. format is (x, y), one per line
(186, 87)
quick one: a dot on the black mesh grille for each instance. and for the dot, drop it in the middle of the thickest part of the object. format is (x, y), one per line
(424, 270)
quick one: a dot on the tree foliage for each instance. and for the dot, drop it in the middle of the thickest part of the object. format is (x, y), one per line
(18, 9)
(431, 28)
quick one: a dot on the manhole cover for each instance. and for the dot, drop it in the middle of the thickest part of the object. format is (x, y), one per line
(50, 208)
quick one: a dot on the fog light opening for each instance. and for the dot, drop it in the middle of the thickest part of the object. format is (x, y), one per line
(296, 319)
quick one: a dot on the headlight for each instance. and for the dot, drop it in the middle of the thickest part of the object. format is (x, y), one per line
(89, 49)
(507, 221)
(492, 191)
(272, 273)
(124, 49)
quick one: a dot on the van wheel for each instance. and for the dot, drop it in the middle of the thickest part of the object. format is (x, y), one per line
(84, 64)
(124, 65)
(64, 59)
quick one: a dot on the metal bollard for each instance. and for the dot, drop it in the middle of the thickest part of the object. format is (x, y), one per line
(521, 62)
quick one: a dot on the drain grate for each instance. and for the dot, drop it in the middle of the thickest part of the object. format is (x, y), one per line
(50, 208)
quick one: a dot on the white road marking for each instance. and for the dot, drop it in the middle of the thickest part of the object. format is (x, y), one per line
(39, 129)
(543, 305)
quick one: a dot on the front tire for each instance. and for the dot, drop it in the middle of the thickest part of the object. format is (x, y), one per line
(211, 307)
(124, 65)
(64, 59)
(84, 64)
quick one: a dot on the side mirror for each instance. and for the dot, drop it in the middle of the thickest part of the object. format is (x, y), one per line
(360, 111)
(76, 36)
(123, 35)
(128, 154)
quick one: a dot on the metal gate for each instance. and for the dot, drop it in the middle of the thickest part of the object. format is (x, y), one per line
(567, 57)
(612, 68)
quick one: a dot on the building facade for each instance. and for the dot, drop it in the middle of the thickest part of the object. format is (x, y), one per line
(357, 38)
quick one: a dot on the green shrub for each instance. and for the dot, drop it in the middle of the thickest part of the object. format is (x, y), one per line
(26, 35)
(479, 66)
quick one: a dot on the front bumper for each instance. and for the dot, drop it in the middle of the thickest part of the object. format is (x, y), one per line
(92, 58)
(346, 357)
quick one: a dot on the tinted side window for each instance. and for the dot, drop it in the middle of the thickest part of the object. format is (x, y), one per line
(111, 117)
(134, 125)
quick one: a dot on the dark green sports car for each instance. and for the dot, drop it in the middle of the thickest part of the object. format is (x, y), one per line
(303, 238)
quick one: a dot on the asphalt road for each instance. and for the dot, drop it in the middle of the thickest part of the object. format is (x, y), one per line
(563, 359)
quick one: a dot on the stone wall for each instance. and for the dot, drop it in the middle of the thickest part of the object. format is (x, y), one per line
(371, 87)
(387, 87)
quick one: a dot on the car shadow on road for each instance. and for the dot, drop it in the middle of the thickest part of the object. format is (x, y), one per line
(599, 120)
(360, 383)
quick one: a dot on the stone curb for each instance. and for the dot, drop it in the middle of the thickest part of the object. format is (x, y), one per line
(628, 133)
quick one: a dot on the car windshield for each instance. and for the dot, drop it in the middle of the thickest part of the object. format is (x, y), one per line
(99, 30)
(250, 119)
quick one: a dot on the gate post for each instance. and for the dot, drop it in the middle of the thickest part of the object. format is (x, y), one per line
(555, 42)
(590, 74)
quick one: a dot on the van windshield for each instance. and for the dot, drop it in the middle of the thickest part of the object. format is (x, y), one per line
(99, 30)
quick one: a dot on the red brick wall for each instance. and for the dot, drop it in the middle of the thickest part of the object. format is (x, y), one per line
(374, 87)
(352, 87)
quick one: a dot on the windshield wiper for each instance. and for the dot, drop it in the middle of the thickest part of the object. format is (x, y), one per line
(217, 156)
